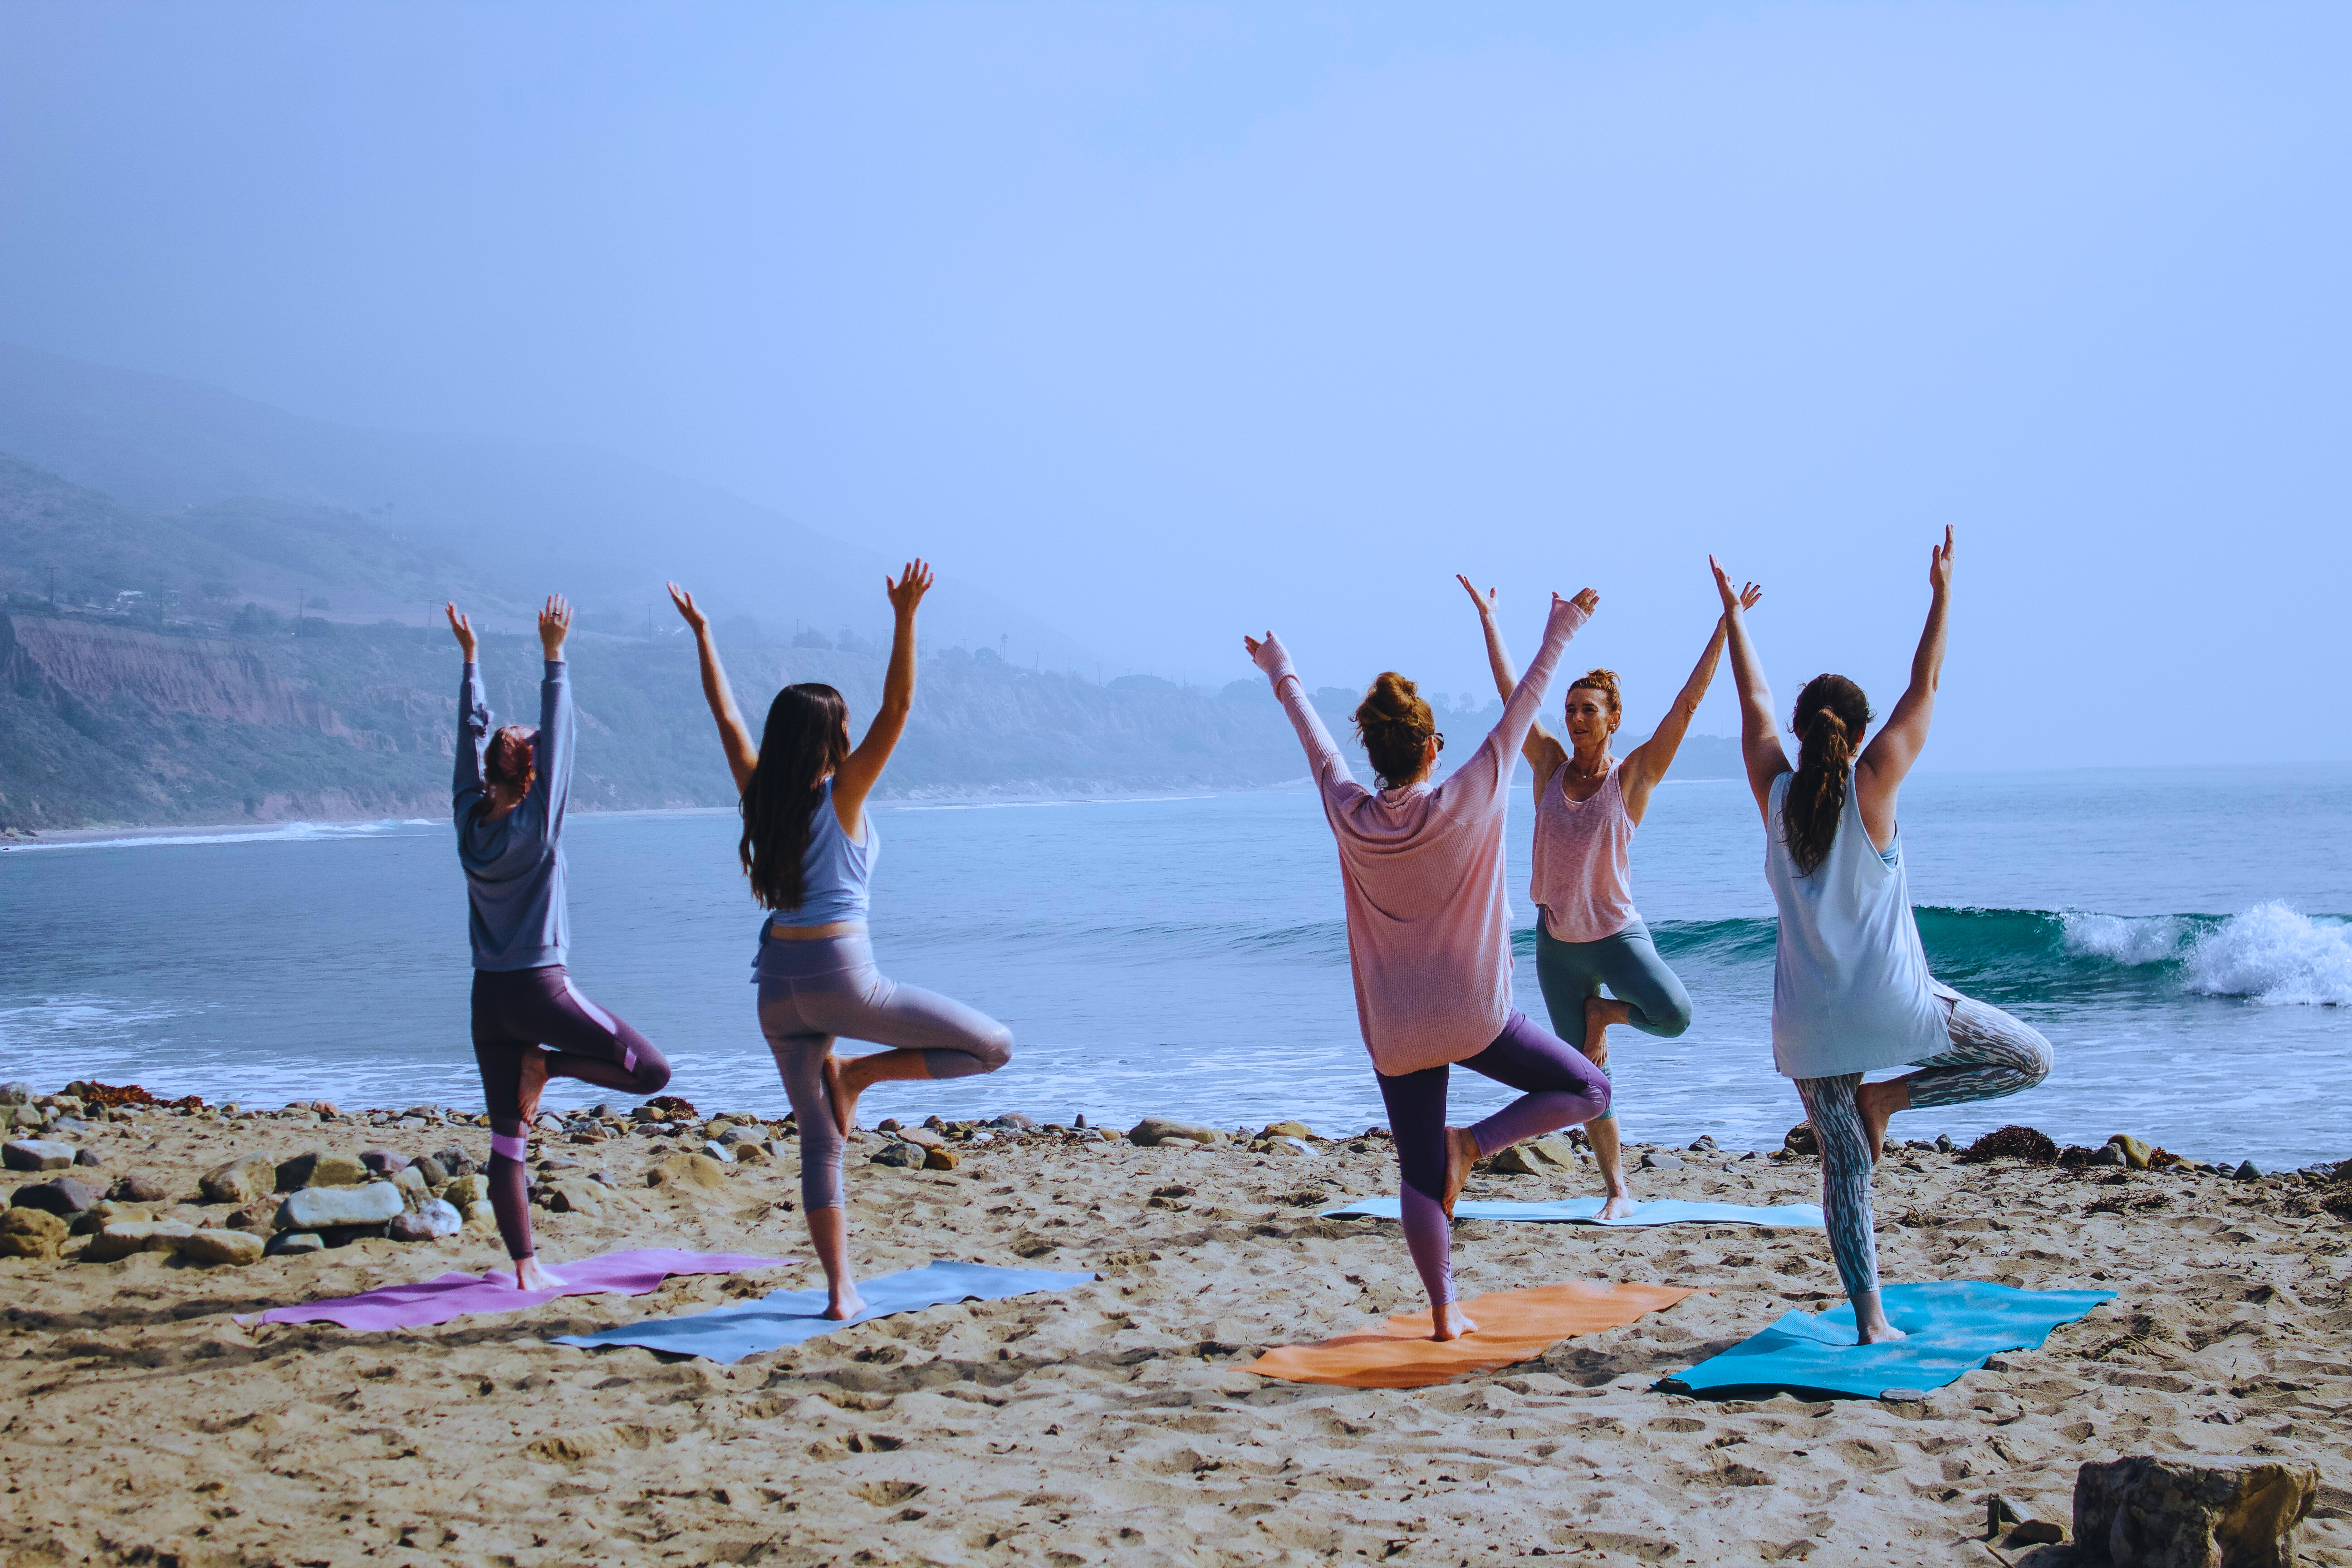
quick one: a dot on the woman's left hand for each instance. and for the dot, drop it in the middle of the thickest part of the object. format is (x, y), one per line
(912, 583)
(554, 624)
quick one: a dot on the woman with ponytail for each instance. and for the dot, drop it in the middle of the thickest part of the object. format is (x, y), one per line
(1588, 934)
(808, 848)
(1429, 937)
(1851, 990)
(509, 798)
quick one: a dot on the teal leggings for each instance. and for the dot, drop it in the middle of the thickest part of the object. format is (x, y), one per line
(1572, 973)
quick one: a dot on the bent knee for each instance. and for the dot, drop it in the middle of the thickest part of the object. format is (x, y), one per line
(1670, 1020)
(653, 1076)
(1603, 1095)
(993, 1047)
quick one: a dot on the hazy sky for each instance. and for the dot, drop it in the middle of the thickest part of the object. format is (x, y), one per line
(1174, 323)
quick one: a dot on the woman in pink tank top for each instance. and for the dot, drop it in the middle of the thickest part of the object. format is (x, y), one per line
(1588, 937)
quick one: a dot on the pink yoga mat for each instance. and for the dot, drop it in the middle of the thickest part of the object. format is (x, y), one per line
(453, 1295)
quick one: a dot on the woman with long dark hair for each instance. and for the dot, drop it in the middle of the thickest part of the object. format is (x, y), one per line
(808, 848)
(509, 798)
(1429, 937)
(1589, 936)
(1851, 990)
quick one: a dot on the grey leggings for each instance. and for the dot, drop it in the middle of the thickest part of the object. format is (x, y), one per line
(811, 991)
(1993, 1055)
(1572, 973)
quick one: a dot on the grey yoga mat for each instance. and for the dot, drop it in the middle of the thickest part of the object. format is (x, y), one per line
(788, 1317)
(1583, 1211)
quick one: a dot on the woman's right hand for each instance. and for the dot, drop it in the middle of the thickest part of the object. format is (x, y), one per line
(914, 581)
(1586, 600)
(464, 628)
(686, 611)
(1485, 604)
(1734, 599)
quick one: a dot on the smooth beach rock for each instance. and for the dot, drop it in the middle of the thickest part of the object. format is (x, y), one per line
(1799, 1139)
(31, 1233)
(2107, 1156)
(900, 1156)
(1287, 1146)
(2249, 1172)
(319, 1169)
(718, 1151)
(65, 1197)
(2134, 1150)
(471, 1188)
(383, 1161)
(752, 1154)
(2206, 1513)
(1153, 1131)
(37, 1155)
(921, 1137)
(138, 1188)
(940, 1159)
(240, 1181)
(293, 1243)
(687, 1172)
(429, 1222)
(1515, 1161)
(234, 1247)
(414, 1189)
(576, 1195)
(481, 1214)
(454, 1163)
(1015, 1120)
(742, 1133)
(432, 1170)
(87, 1157)
(123, 1237)
(1273, 1130)
(1705, 1144)
(15, 1091)
(1661, 1162)
(322, 1208)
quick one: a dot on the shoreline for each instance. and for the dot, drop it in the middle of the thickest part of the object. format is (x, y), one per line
(1113, 1421)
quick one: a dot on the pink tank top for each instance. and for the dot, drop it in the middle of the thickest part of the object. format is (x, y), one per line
(1583, 878)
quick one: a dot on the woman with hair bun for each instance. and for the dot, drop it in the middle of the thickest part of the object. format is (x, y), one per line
(1428, 937)
(1851, 990)
(508, 798)
(1589, 936)
(808, 848)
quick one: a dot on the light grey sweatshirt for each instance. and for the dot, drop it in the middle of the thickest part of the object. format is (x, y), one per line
(514, 867)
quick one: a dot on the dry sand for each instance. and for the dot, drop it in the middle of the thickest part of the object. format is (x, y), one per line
(1111, 1422)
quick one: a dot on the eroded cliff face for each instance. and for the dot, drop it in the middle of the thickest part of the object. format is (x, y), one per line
(103, 667)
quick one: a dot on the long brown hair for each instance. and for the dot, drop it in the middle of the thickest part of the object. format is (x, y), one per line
(1394, 723)
(1831, 714)
(508, 762)
(806, 737)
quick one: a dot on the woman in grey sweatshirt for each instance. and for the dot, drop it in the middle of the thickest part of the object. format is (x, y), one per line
(530, 1025)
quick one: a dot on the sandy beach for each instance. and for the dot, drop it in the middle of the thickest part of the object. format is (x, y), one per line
(1113, 1422)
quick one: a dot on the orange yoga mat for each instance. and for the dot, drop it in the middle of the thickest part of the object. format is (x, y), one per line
(1512, 1325)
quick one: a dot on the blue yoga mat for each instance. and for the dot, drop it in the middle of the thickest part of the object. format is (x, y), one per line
(1953, 1326)
(785, 1317)
(1582, 1211)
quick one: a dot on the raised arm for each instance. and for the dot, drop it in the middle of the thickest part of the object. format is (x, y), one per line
(1479, 783)
(1760, 738)
(1885, 761)
(552, 754)
(1543, 752)
(734, 737)
(1324, 758)
(857, 776)
(1648, 763)
(473, 719)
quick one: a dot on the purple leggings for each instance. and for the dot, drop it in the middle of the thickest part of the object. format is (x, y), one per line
(1561, 1089)
(517, 1010)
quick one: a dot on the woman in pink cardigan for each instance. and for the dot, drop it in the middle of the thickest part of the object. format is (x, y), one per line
(1429, 937)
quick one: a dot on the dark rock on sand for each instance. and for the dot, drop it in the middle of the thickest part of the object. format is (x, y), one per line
(383, 1161)
(139, 1188)
(1799, 1139)
(319, 1169)
(36, 1154)
(64, 1197)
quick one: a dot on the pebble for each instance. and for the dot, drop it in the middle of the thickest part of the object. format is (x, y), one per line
(470, 1188)
(64, 1195)
(752, 1154)
(383, 1161)
(717, 1151)
(320, 1208)
(1153, 1131)
(291, 1243)
(15, 1091)
(1703, 1145)
(923, 1137)
(30, 1233)
(236, 1247)
(414, 1190)
(123, 1237)
(429, 1221)
(684, 1173)
(1657, 1162)
(1017, 1121)
(2249, 1172)
(240, 1181)
(319, 1168)
(432, 1170)
(1280, 1130)
(901, 1156)
(37, 1155)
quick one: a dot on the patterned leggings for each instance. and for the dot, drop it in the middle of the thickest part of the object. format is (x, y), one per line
(1993, 1055)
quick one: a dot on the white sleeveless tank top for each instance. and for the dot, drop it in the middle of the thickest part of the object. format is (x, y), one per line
(1583, 878)
(1850, 985)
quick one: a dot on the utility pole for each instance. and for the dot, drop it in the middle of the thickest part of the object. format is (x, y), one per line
(53, 587)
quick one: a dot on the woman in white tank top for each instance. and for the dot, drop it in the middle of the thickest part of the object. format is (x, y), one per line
(1851, 990)
(1588, 937)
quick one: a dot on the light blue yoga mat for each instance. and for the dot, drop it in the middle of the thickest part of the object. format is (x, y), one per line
(1953, 1326)
(1582, 1211)
(785, 1317)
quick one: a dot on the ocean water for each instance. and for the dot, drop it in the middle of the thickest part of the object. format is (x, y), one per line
(2181, 936)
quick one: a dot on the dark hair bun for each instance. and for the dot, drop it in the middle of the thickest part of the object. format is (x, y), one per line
(1394, 723)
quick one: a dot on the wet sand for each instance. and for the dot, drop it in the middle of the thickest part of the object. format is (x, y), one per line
(1112, 1422)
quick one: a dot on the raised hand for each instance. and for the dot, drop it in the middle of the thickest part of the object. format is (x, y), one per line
(1586, 600)
(1939, 564)
(686, 608)
(554, 624)
(908, 590)
(1485, 604)
(1732, 597)
(1749, 595)
(464, 628)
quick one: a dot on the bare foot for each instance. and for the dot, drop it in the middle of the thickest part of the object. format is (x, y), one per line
(530, 1276)
(1461, 1153)
(1452, 1322)
(1600, 1012)
(1617, 1205)
(843, 1092)
(1880, 1335)
(845, 1304)
(1877, 1104)
(534, 1076)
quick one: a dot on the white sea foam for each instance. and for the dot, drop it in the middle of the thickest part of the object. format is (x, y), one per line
(2275, 956)
(280, 833)
(2125, 939)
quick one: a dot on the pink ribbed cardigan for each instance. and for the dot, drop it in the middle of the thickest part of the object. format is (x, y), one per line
(1429, 924)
